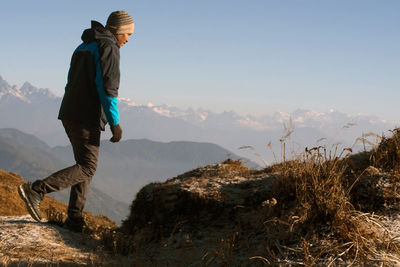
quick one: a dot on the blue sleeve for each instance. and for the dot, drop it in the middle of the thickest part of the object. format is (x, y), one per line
(110, 106)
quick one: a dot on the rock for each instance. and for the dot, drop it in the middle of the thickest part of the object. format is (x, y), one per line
(198, 197)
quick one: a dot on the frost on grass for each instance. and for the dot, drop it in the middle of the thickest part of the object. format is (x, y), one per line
(23, 240)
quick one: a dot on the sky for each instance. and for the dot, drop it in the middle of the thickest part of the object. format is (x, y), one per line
(252, 57)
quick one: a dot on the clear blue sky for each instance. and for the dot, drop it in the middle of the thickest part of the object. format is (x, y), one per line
(254, 57)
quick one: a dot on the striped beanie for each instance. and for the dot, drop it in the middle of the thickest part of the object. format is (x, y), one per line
(120, 22)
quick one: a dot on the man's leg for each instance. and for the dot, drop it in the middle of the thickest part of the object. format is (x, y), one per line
(77, 199)
(85, 141)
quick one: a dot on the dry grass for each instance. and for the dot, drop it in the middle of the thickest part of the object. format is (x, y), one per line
(316, 216)
(10, 202)
(387, 154)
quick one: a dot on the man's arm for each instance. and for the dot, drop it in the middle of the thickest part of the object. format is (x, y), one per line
(110, 75)
(108, 87)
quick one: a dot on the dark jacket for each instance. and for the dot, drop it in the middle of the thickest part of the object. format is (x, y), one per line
(93, 79)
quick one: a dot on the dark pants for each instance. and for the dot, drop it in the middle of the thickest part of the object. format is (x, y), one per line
(85, 141)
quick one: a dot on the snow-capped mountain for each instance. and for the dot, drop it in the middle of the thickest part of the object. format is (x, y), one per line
(29, 109)
(34, 111)
(8, 92)
(300, 118)
(34, 94)
(27, 93)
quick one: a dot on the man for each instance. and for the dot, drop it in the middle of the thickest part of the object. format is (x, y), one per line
(89, 102)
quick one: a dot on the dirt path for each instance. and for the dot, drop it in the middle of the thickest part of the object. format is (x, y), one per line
(23, 240)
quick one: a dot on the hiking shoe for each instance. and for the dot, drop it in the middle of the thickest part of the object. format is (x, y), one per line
(32, 200)
(74, 224)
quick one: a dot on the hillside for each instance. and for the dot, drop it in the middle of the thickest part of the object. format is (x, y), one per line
(11, 204)
(26, 155)
(320, 209)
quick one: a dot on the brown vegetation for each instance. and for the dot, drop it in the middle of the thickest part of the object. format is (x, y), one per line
(387, 155)
(12, 204)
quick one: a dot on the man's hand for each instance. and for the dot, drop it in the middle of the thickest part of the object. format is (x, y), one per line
(117, 133)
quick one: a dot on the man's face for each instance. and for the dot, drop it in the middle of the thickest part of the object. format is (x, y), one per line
(122, 38)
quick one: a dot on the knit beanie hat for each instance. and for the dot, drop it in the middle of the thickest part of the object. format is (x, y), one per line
(120, 22)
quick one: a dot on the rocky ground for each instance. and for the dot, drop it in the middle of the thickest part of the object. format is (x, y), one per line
(23, 240)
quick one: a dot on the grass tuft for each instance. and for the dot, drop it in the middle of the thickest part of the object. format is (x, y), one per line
(387, 155)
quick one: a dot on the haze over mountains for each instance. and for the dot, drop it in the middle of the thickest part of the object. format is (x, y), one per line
(124, 168)
(34, 111)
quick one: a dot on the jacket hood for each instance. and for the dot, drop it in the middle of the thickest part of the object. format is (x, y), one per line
(97, 32)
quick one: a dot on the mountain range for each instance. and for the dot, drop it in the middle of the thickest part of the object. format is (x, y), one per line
(34, 111)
